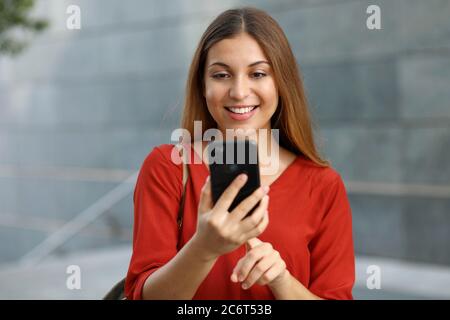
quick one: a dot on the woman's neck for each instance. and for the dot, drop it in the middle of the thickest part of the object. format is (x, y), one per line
(269, 149)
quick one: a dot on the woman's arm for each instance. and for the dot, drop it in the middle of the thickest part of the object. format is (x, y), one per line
(216, 235)
(179, 278)
(289, 288)
(218, 232)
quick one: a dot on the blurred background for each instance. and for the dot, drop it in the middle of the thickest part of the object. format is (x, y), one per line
(81, 108)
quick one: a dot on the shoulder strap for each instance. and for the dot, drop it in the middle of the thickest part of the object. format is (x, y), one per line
(185, 177)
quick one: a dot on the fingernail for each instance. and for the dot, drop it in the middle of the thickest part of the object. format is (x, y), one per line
(241, 277)
(244, 286)
(234, 277)
(243, 177)
(266, 189)
(207, 179)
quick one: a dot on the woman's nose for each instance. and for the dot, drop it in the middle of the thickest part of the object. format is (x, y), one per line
(240, 89)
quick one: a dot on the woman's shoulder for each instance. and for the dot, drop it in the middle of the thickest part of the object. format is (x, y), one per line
(320, 176)
(162, 152)
(159, 171)
(162, 157)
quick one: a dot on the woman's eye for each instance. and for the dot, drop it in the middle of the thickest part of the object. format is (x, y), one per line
(258, 74)
(220, 76)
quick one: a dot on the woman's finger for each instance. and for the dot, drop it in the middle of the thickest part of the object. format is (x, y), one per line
(246, 205)
(259, 229)
(272, 273)
(245, 265)
(259, 270)
(227, 197)
(253, 220)
(205, 202)
(252, 243)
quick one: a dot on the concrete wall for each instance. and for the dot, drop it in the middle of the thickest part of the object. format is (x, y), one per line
(103, 96)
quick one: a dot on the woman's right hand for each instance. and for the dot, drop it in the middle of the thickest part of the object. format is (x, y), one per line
(219, 231)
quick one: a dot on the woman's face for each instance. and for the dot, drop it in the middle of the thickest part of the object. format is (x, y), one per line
(240, 89)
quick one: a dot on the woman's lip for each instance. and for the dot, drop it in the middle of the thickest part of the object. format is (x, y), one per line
(241, 117)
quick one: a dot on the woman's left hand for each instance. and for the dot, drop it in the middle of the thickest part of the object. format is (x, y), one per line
(262, 265)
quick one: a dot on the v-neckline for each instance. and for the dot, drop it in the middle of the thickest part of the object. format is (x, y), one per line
(274, 183)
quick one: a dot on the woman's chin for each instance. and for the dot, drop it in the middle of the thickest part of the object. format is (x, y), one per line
(242, 127)
(243, 130)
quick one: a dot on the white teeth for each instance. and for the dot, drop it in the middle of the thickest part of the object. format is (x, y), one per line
(241, 110)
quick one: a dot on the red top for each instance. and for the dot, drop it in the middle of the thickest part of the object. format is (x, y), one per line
(310, 225)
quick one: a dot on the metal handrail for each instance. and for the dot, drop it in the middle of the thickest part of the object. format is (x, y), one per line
(106, 202)
(80, 221)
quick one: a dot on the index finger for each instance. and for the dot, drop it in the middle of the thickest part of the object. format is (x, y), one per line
(252, 243)
(205, 202)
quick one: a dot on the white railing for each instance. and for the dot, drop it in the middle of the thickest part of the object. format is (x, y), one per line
(126, 186)
(79, 222)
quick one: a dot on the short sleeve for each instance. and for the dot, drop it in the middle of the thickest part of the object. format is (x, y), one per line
(332, 257)
(155, 232)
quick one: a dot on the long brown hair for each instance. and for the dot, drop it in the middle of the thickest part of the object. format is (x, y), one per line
(292, 116)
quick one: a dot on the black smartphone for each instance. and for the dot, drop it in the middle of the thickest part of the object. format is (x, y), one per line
(227, 160)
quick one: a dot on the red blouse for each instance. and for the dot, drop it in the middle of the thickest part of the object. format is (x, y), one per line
(310, 225)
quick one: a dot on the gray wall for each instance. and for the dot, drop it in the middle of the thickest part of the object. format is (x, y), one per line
(103, 96)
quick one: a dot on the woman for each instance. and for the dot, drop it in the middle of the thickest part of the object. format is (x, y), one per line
(299, 244)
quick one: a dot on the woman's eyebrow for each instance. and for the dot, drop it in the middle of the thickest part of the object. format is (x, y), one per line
(227, 66)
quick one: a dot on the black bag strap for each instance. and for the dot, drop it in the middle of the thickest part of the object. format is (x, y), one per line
(184, 160)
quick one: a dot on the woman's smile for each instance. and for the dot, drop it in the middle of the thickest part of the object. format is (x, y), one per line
(241, 113)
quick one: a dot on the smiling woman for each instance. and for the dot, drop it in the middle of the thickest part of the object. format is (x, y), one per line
(243, 60)
(243, 76)
(243, 89)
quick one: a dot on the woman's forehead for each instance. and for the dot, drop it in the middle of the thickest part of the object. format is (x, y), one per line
(240, 50)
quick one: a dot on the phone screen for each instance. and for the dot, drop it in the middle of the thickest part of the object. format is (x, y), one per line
(227, 160)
